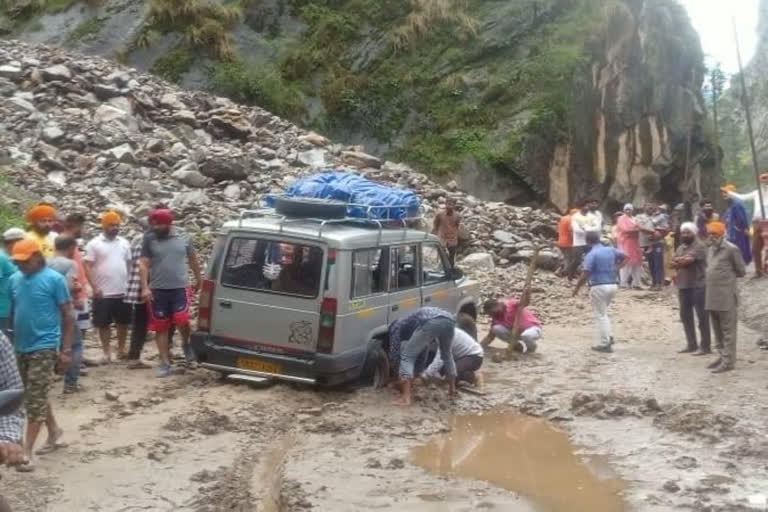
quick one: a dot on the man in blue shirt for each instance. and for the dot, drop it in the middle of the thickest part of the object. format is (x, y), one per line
(601, 270)
(43, 324)
(410, 336)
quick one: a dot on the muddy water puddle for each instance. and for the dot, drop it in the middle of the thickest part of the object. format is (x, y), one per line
(527, 456)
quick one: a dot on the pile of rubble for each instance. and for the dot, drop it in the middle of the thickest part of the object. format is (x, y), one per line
(87, 134)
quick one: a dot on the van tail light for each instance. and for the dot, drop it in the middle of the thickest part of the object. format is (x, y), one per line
(205, 305)
(327, 329)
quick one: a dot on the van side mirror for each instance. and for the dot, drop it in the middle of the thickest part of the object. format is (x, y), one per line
(456, 273)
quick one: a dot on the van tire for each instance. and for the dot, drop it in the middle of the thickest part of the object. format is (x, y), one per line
(310, 207)
(376, 370)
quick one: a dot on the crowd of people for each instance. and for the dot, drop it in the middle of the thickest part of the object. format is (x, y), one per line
(52, 292)
(703, 258)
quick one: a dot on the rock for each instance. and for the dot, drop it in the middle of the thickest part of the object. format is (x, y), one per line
(671, 486)
(123, 153)
(107, 114)
(57, 72)
(111, 396)
(155, 145)
(193, 198)
(191, 178)
(220, 170)
(314, 158)
(20, 105)
(479, 261)
(171, 101)
(185, 116)
(10, 71)
(232, 192)
(237, 128)
(505, 237)
(360, 159)
(105, 92)
(52, 133)
(58, 177)
(314, 139)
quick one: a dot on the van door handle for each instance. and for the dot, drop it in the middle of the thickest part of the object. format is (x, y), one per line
(395, 307)
(225, 304)
(427, 299)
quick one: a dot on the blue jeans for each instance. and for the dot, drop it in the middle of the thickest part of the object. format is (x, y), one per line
(440, 329)
(656, 263)
(70, 378)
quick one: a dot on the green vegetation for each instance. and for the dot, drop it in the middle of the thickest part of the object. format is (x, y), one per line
(85, 30)
(9, 217)
(173, 65)
(263, 86)
(205, 25)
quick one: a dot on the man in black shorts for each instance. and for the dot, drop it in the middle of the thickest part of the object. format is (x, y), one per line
(107, 262)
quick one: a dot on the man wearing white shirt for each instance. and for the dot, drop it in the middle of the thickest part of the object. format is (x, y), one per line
(757, 217)
(107, 260)
(467, 354)
(588, 219)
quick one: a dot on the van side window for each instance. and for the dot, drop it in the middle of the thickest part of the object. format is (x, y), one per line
(402, 269)
(273, 267)
(368, 278)
(433, 264)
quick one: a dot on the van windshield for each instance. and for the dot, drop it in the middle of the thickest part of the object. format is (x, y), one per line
(273, 266)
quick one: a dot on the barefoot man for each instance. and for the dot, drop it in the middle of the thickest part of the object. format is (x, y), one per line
(410, 336)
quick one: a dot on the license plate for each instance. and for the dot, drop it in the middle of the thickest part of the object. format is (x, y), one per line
(259, 366)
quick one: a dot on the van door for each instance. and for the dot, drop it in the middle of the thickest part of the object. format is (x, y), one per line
(404, 281)
(438, 288)
(269, 293)
(368, 307)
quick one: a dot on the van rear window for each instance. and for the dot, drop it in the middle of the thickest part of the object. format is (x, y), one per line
(273, 267)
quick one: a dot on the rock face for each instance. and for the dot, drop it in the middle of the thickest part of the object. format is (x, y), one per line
(546, 100)
(129, 152)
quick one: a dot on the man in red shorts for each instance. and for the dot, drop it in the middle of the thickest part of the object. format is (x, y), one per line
(166, 257)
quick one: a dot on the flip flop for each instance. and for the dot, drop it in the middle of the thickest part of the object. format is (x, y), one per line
(52, 445)
(25, 467)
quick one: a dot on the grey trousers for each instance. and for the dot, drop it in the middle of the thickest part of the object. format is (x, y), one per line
(692, 300)
(725, 326)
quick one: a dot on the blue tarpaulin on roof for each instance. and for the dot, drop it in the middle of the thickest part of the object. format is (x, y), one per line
(367, 199)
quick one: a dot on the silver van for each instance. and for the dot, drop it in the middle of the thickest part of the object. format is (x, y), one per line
(310, 299)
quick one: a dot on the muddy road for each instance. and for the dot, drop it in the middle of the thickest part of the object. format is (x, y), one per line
(565, 429)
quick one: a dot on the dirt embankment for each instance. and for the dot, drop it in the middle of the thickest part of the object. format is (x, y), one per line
(679, 437)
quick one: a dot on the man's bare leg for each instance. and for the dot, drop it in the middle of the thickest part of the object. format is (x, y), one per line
(105, 333)
(405, 393)
(122, 336)
(54, 432)
(162, 347)
(33, 430)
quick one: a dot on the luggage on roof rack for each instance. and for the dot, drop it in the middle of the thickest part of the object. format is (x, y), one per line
(364, 199)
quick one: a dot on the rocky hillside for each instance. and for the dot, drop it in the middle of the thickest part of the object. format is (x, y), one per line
(737, 163)
(518, 100)
(87, 135)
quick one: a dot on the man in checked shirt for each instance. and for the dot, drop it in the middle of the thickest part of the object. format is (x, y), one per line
(11, 451)
(140, 314)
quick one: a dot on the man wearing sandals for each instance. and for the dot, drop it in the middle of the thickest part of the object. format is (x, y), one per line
(43, 333)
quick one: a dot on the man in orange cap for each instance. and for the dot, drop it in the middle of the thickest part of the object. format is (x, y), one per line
(758, 223)
(724, 266)
(43, 333)
(107, 262)
(41, 219)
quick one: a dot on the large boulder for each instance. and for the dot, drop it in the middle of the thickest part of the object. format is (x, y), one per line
(57, 72)
(221, 170)
(479, 261)
(190, 177)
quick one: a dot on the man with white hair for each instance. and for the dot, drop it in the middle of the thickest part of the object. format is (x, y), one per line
(690, 261)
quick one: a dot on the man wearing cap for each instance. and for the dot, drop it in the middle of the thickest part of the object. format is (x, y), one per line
(690, 262)
(724, 266)
(11, 236)
(41, 220)
(43, 333)
(107, 263)
(166, 257)
(737, 223)
(7, 269)
(757, 217)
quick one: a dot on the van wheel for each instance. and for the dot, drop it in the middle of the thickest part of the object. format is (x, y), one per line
(376, 370)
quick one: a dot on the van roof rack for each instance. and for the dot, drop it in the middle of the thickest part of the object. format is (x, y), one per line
(402, 224)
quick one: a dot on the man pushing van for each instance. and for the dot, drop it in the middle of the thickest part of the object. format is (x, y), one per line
(410, 336)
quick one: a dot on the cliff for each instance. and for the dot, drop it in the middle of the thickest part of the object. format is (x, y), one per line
(529, 100)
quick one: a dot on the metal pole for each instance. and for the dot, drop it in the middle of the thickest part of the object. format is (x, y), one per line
(748, 112)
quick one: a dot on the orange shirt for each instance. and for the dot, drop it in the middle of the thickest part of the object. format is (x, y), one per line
(81, 277)
(564, 232)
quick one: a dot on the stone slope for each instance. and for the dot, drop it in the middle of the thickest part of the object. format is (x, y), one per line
(524, 100)
(86, 134)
